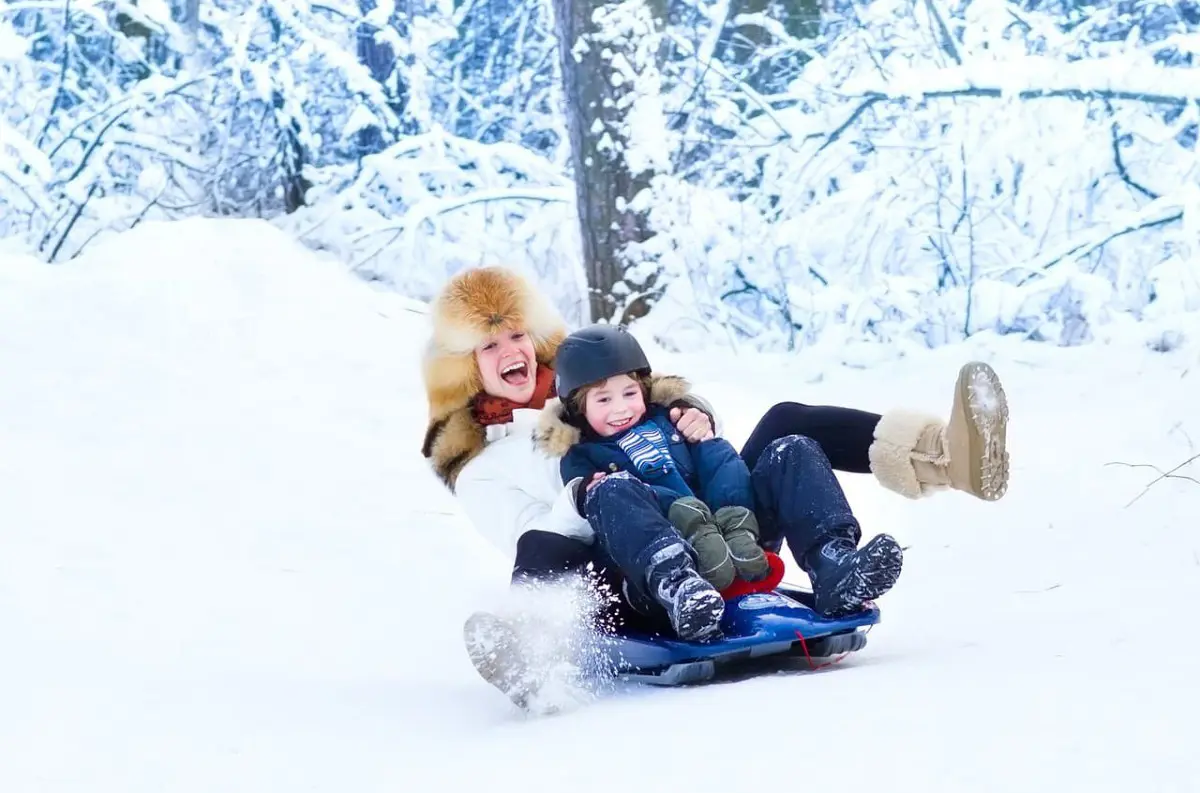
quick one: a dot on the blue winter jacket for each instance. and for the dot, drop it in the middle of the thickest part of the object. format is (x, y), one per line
(711, 470)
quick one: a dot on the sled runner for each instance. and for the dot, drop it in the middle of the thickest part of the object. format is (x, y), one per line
(759, 630)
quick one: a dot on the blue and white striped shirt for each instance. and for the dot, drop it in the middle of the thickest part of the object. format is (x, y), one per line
(648, 449)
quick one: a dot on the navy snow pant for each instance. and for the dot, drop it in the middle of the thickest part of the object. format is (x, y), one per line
(799, 499)
(631, 532)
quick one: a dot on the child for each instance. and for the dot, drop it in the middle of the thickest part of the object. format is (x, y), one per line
(703, 488)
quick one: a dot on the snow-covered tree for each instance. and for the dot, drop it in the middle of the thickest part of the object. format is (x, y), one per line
(609, 55)
(875, 170)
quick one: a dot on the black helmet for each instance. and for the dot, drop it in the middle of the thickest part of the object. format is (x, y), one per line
(596, 353)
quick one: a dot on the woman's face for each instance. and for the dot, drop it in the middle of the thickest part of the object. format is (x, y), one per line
(508, 365)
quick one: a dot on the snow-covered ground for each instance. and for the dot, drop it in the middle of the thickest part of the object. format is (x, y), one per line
(225, 567)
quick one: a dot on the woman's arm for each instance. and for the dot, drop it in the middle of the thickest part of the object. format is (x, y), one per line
(502, 510)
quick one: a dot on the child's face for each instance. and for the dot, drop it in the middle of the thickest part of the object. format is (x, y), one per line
(614, 406)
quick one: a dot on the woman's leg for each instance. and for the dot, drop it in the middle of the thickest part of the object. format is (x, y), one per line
(801, 501)
(844, 434)
(497, 642)
(545, 556)
(911, 453)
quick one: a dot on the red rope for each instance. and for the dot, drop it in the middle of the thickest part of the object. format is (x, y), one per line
(808, 657)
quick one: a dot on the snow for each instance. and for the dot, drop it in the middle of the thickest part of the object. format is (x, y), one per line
(225, 566)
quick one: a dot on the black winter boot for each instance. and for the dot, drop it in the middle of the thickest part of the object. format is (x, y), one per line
(844, 578)
(693, 605)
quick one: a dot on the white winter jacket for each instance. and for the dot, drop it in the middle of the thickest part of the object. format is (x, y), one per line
(512, 487)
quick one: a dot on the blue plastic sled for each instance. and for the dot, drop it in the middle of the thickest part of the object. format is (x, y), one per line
(759, 629)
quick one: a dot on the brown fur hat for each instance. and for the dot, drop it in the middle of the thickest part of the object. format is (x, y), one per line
(472, 306)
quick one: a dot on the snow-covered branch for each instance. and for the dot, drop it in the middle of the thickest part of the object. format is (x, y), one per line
(1160, 213)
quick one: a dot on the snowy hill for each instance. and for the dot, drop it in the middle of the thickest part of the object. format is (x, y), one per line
(225, 567)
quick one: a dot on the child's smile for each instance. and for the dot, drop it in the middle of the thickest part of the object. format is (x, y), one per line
(615, 405)
(620, 424)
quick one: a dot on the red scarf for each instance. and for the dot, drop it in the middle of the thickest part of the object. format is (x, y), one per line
(488, 409)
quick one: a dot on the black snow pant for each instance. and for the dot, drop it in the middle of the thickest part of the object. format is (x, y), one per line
(843, 435)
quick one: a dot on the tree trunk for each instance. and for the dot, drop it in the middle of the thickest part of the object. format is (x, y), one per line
(604, 183)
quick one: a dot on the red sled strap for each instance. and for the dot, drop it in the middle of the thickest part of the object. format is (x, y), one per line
(768, 584)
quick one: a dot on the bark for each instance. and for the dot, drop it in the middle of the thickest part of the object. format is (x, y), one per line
(603, 182)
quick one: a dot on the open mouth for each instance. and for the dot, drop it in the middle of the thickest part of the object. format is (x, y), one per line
(515, 373)
(621, 424)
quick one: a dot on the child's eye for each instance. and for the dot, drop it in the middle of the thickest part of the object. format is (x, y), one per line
(518, 335)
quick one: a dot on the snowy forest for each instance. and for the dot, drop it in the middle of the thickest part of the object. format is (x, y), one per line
(769, 171)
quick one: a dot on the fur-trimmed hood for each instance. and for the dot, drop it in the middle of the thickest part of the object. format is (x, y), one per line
(472, 306)
(554, 435)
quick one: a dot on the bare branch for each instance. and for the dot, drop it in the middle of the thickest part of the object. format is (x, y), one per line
(1161, 474)
(842, 128)
(947, 38)
(71, 223)
(1079, 250)
(431, 209)
(1122, 171)
(746, 90)
(870, 98)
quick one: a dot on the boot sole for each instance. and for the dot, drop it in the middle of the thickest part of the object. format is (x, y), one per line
(878, 572)
(700, 620)
(494, 649)
(980, 391)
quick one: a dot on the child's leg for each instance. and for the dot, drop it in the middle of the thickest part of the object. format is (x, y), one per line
(801, 500)
(654, 558)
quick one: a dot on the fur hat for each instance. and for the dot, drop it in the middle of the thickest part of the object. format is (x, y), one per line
(472, 306)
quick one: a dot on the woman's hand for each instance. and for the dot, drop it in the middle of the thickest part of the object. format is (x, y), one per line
(693, 423)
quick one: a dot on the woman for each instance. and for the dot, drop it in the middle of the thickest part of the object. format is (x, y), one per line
(488, 374)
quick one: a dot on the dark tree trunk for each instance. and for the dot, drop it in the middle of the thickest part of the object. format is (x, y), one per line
(604, 184)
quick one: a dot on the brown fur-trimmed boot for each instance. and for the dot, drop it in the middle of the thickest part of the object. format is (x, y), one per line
(915, 454)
